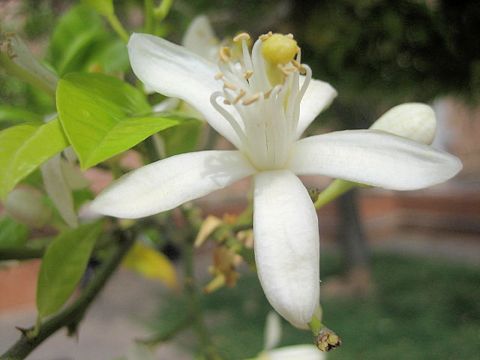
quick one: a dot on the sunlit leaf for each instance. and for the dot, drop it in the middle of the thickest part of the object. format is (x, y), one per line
(151, 264)
(63, 265)
(24, 147)
(104, 116)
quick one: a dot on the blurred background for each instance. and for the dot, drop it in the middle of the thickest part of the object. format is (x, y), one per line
(400, 271)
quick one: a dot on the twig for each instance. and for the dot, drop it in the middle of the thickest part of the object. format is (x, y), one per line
(70, 316)
(23, 253)
(206, 344)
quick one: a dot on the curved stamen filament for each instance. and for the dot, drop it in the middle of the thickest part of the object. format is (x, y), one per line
(238, 130)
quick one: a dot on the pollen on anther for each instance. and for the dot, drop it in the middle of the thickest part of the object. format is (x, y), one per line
(241, 94)
(229, 85)
(218, 76)
(241, 36)
(225, 54)
(265, 36)
(248, 74)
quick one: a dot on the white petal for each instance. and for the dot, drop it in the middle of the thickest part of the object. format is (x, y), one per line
(374, 158)
(414, 121)
(57, 188)
(319, 96)
(296, 352)
(168, 183)
(166, 105)
(174, 71)
(200, 38)
(273, 331)
(286, 245)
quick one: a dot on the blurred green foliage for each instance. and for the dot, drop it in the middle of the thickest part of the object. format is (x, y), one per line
(420, 309)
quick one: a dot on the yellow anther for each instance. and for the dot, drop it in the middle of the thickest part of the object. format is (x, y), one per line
(248, 74)
(225, 54)
(218, 76)
(297, 64)
(279, 49)
(251, 99)
(229, 85)
(286, 70)
(265, 36)
(241, 36)
(241, 94)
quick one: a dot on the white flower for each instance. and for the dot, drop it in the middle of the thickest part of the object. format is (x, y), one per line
(413, 121)
(273, 333)
(295, 352)
(265, 111)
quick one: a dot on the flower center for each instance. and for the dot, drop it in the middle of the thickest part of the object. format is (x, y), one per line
(261, 96)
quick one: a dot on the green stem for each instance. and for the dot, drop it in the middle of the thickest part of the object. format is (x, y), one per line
(149, 16)
(71, 315)
(334, 190)
(117, 27)
(23, 74)
(22, 253)
(163, 9)
(203, 334)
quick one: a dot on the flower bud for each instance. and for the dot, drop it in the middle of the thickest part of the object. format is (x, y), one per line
(414, 121)
(26, 205)
(327, 340)
(297, 352)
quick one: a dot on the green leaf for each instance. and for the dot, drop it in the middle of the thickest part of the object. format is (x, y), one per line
(63, 265)
(184, 138)
(24, 147)
(77, 31)
(15, 115)
(111, 56)
(12, 233)
(104, 7)
(104, 116)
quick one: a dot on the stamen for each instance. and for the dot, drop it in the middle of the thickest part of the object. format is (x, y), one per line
(225, 54)
(266, 95)
(227, 102)
(306, 82)
(248, 74)
(251, 99)
(286, 70)
(233, 123)
(290, 36)
(265, 36)
(218, 76)
(239, 96)
(241, 36)
(229, 85)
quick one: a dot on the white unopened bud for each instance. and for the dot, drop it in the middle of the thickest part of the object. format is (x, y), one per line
(26, 205)
(297, 352)
(414, 121)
